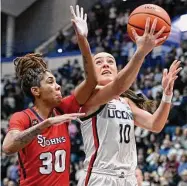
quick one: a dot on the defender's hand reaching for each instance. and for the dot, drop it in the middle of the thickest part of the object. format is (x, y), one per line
(79, 21)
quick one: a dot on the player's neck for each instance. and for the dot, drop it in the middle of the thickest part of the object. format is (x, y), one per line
(43, 110)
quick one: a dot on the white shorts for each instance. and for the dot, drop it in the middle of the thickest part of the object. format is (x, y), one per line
(102, 177)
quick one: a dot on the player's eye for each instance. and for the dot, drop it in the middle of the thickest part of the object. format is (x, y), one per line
(110, 61)
(98, 62)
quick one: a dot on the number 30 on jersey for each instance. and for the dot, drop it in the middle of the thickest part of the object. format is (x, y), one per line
(49, 163)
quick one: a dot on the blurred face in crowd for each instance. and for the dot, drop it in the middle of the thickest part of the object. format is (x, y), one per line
(5, 181)
(166, 143)
(11, 183)
(49, 91)
(139, 177)
(146, 176)
(185, 132)
(184, 158)
(106, 68)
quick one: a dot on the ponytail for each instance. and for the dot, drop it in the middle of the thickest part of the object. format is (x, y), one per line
(140, 100)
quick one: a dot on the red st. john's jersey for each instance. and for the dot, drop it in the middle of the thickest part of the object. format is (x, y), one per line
(45, 161)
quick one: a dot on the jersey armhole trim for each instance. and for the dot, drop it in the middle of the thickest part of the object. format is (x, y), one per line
(93, 114)
(30, 122)
(59, 110)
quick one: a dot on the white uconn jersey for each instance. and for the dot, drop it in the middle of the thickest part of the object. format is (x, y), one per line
(108, 137)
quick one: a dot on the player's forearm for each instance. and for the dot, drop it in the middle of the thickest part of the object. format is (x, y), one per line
(159, 118)
(89, 66)
(129, 73)
(85, 89)
(16, 141)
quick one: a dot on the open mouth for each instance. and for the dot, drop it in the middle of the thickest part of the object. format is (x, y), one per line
(59, 95)
(106, 72)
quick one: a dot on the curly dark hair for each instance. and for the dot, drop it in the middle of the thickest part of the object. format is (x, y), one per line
(30, 70)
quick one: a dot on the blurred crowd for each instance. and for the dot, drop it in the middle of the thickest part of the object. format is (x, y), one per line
(162, 157)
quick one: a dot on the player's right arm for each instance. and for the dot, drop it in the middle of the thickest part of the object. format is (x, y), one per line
(19, 135)
(128, 74)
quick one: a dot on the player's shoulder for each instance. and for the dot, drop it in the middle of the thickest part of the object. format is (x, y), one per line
(125, 100)
(21, 115)
(68, 99)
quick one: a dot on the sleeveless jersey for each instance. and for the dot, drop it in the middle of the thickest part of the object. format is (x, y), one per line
(45, 161)
(108, 137)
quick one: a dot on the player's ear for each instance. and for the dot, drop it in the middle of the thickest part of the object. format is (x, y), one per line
(35, 91)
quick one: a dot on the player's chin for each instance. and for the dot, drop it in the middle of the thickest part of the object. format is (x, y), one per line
(57, 101)
(106, 80)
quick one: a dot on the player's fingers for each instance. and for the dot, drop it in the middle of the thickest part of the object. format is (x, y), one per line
(147, 24)
(177, 64)
(82, 12)
(134, 34)
(158, 34)
(153, 26)
(160, 40)
(77, 114)
(85, 17)
(165, 72)
(174, 65)
(77, 11)
(72, 12)
(176, 71)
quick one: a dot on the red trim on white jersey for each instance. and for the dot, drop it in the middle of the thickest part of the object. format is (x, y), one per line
(96, 144)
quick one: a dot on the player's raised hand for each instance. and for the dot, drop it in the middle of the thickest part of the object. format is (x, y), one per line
(169, 78)
(79, 20)
(149, 40)
(65, 118)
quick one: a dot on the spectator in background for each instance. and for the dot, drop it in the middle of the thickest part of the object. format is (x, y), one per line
(11, 183)
(79, 170)
(177, 98)
(147, 179)
(5, 182)
(183, 163)
(183, 175)
(165, 147)
(60, 39)
(183, 140)
(12, 171)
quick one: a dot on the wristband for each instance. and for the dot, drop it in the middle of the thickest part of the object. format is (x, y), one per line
(166, 98)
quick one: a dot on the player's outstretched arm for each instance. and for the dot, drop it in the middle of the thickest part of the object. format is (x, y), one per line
(16, 140)
(128, 74)
(155, 122)
(79, 21)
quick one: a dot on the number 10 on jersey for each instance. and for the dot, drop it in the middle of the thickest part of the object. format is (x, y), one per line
(124, 132)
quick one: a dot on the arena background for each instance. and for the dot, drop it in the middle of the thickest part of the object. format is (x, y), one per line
(44, 26)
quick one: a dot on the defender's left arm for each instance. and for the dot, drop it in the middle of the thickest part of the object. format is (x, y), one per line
(84, 90)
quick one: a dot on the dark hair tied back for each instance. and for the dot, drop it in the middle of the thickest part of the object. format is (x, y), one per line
(30, 69)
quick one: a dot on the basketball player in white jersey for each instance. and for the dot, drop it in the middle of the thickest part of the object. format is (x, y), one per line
(108, 129)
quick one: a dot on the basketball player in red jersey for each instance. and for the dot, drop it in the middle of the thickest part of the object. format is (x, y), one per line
(40, 134)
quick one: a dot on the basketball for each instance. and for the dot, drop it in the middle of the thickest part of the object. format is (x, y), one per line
(137, 20)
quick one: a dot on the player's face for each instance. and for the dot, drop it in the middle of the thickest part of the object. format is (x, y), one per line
(50, 91)
(105, 68)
